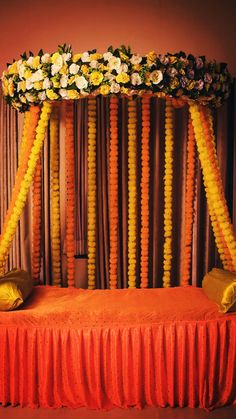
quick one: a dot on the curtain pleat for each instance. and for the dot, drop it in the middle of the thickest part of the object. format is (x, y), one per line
(204, 254)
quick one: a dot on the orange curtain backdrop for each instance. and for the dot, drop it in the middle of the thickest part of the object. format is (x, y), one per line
(204, 254)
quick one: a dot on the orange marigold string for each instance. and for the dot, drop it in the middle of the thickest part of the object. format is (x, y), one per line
(92, 195)
(132, 192)
(36, 231)
(145, 174)
(55, 197)
(189, 200)
(113, 192)
(70, 195)
(168, 177)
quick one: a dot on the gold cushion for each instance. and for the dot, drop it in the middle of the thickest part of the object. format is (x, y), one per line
(15, 287)
(220, 286)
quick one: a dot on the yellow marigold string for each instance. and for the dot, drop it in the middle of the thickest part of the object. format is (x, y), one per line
(70, 195)
(215, 198)
(113, 192)
(132, 192)
(91, 192)
(168, 177)
(55, 197)
(145, 174)
(25, 183)
(36, 231)
(189, 200)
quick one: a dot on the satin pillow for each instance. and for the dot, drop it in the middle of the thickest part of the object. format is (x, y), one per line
(15, 287)
(220, 286)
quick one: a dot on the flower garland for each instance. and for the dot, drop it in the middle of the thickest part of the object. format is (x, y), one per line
(24, 140)
(222, 226)
(70, 195)
(55, 197)
(168, 177)
(207, 124)
(132, 192)
(65, 75)
(91, 192)
(36, 231)
(145, 191)
(113, 192)
(23, 190)
(189, 200)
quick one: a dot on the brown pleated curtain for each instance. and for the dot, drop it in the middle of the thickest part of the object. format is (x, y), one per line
(204, 254)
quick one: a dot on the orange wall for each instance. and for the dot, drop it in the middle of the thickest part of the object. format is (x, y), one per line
(197, 26)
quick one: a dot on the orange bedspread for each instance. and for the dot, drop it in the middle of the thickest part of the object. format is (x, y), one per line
(69, 347)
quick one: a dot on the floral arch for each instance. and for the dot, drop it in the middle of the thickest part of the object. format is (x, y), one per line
(35, 85)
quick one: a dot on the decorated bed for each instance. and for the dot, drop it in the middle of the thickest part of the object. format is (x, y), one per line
(117, 347)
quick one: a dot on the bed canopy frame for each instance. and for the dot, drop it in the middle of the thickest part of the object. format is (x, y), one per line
(37, 84)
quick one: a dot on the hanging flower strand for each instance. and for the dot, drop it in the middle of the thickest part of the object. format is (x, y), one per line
(168, 177)
(91, 192)
(36, 231)
(132, 192)
(113, 192)
(70, 195)
(189, 201)
(145, 191)
(25, 183)
(55, 197)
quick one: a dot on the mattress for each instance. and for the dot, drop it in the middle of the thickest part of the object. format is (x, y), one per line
(107, 348)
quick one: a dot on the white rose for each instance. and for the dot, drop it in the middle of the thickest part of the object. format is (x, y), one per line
(42, 95)
(64, 81)
(63, 93)
(55, 69)
(107, 56)
(115, 88)
(46, 83)
(74, 68)
(29, 84)
(94, 64)
(30, 61)
(123, 68)
(110, 76)
(58, 61)
(66, 56)
(114, 63)
(21, 70)
(135, 59)
(37, 76)
(81, 83)
(46, 58)
(136, 79)
(156, 76)
(85, 58)
(30, 97)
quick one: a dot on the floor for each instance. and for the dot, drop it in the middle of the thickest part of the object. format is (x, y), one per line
(146, 413)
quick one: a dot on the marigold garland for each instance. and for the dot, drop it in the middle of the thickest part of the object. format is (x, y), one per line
(36, 230)
(25, 183)
(70, 195)
(145, 191)
(113, 192)
(222, 226)
(132, 192)
(189, 200)
(91, 192)
(24, 140)
(55, 197)
(168, 177)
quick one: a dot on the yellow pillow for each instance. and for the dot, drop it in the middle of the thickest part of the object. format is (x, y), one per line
(15, 287)
(220, 286)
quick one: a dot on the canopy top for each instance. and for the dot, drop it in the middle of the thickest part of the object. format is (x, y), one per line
(65, 75)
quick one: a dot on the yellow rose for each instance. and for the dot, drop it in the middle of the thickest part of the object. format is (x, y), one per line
(27, 74)
(173, 59)
(73, 94)
(174, 83)
(151, 56)
(122, 78)
(54, 57)
(96, 78)
(38, 85)
(76, 58)
(51, 94)
(36, 62)
(64, 69)
(123, 56)
(124, 90)
(191, 85)
(104, 90)
(5, 87)
(55, 82)
(136, 67)
(96, 56)
(13, 68)
(84, 69)
(11, 88)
